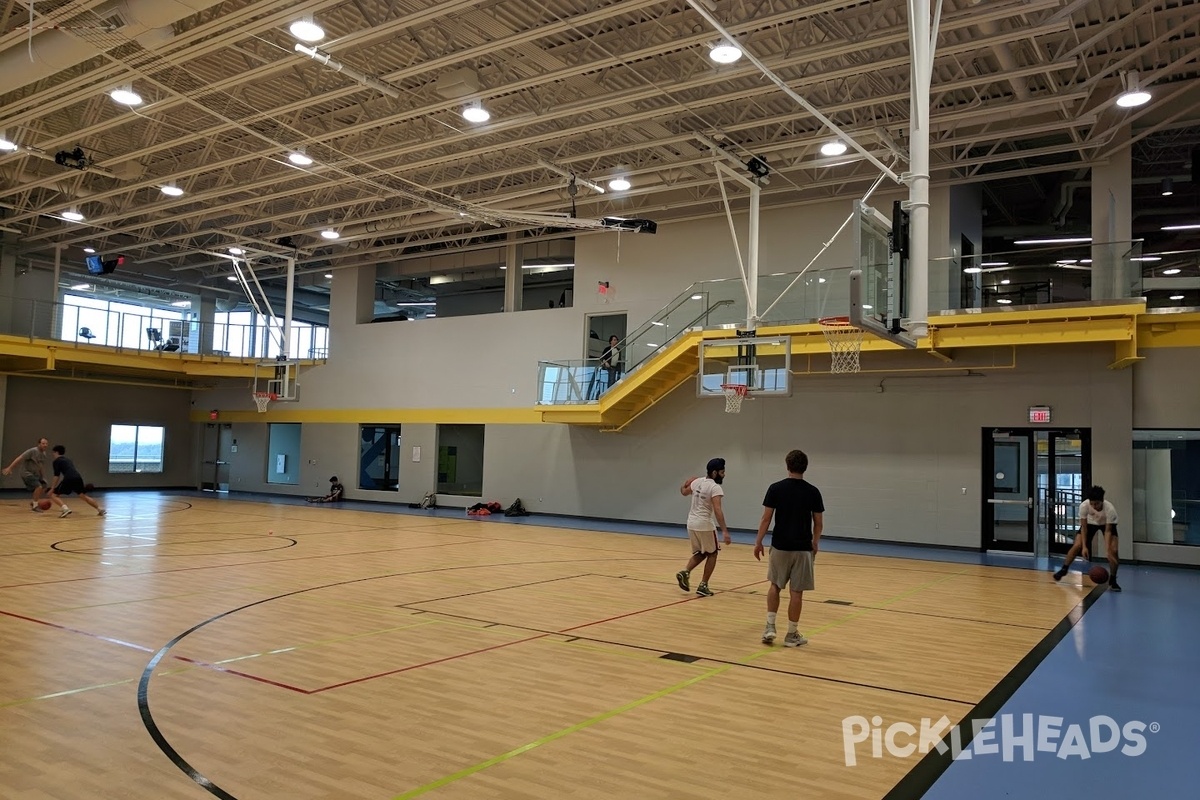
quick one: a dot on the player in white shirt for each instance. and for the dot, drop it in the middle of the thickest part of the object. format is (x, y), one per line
(706, 494)
(1095, 515)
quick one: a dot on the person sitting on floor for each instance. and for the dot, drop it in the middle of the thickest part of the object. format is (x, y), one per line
(335, 492)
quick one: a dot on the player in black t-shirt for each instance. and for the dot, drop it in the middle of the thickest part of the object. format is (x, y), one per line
(67, 480)
(335, 492)
(798, 511)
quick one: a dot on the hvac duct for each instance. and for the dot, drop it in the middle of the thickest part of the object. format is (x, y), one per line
(56, 50)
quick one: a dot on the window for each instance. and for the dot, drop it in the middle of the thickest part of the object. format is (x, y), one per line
(135, 448)
(379, 457)
(460, 460)
(1166, 487)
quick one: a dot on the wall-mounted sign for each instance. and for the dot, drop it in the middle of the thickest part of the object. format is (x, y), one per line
(1039, 415)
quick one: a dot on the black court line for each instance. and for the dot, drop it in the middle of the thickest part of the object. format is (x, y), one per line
(490, 591)
(841, 602)
(960, 619)
(712, 659)
(921, 778)
(117, 551)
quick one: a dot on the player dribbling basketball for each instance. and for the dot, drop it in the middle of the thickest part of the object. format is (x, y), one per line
(1095, 515)
(706, 494)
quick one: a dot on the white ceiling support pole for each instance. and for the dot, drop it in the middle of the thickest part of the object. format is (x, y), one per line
(750, 277)
(285, 349)
(922, 36)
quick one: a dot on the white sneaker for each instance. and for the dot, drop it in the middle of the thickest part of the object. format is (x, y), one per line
(769, 634)
(794, 639)
(66, 512)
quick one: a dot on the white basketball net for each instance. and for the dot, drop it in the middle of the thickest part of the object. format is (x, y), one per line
(845, 344)
(734, 395)
(262, 401)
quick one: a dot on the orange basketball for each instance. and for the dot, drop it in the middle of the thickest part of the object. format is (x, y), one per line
(44, 505)
(1098, 575)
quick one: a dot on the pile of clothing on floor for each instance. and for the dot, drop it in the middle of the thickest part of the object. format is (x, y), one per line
(517, 509)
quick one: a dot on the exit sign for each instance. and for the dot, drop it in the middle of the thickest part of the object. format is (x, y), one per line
(1039, 415)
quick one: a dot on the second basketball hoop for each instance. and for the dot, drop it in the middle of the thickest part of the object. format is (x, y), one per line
(845, 343)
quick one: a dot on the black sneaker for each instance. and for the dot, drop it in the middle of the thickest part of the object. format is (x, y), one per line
(1113, 586)
(681, 578)
(703, 590)
(1058, 576)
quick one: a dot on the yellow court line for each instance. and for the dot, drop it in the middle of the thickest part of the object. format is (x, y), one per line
(641, 701)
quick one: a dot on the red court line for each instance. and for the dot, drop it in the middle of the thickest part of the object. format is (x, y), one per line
(258, 678)
(518, 641)
(425, 664)
(76, 630)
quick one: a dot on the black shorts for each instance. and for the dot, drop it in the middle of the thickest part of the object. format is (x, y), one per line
(69, 486)
(1092, 530)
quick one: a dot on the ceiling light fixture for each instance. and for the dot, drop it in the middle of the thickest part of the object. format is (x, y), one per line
(171, 190)
(619, 182)
(1146, 258)
(993, 264)
(231, 277)
(1004, 301)
(834, 148)
(1005, 282)
(475, 112)
(89, 250)
(697, 297)
(81, 287)
(126, 96)
(328, 275)
(1134, 95)
(236, 251)
(1176, 297)
(725, 52)
(972, 270)
(1181, 227)
(306, 30)
(299, 158)
(73, 215)
(1168, 187)
(1068, 240)
(422, 303)
(7, 144)
(1172, 271)
(330, 233)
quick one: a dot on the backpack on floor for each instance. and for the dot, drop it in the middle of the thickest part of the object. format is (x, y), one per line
(517, 509)
(428, 501)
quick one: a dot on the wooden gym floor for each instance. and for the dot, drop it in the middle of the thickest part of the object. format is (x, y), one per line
(190, 647)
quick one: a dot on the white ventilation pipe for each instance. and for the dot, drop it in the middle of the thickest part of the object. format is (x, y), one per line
(56, 50)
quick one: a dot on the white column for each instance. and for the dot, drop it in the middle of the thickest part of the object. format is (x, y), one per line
(513, 276)
(287, 311)
(752, 260)
(1112, 222)
(54, 307)
(921, 33)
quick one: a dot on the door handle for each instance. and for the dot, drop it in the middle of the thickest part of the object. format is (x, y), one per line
(1027, 502)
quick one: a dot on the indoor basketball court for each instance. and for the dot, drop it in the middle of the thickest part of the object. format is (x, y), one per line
(272, 649)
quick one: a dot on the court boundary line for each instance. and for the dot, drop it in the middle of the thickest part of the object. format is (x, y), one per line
(921, 778)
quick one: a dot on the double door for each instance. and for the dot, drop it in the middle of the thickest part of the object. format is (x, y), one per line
(1033, 484)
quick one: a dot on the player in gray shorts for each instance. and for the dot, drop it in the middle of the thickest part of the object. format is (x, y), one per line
(32, 469)
(798, 512)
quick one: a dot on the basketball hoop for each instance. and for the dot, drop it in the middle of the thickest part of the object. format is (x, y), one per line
(735, 393)
(845, 343)
(263, 399)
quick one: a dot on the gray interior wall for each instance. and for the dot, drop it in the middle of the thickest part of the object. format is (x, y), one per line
(1166, 386)
(79, 416)
(900, 458)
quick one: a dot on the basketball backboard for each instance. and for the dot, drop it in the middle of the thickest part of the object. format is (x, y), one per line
(879, 280)
(763, 364)
(277, 379)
